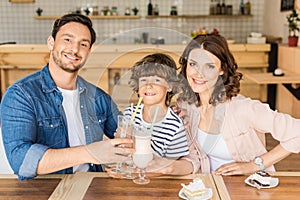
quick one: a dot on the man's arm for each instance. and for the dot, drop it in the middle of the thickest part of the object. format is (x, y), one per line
(57, 159)
(97, 153)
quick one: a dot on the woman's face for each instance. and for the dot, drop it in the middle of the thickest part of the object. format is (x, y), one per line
(203, 70)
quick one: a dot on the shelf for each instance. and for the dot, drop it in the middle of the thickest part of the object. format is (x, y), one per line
(150, 17)
(92, 17)
(198, 16)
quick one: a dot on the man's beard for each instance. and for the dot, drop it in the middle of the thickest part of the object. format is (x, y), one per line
(64, 66)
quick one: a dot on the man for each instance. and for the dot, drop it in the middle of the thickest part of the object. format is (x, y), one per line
(53, 120)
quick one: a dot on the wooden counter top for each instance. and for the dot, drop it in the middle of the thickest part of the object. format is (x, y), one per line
(22, 48)
(269, 78)
(99, 185)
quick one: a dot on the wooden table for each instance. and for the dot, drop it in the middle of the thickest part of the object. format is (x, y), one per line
(268, 78)
(40, 188)
(287, 80)
(100, 186)
(234, 187)
(96, 186)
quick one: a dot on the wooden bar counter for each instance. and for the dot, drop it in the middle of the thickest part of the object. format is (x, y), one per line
(100, 186)
(17, 61)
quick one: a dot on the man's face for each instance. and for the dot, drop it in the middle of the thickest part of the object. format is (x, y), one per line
(71, 46)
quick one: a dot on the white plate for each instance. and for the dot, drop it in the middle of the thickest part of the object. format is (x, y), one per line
(273, 183)
(207, 195)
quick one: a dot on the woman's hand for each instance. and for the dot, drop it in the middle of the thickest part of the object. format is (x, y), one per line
(182, 113)
(236, 168)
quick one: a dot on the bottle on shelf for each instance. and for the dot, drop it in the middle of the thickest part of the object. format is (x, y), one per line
(156, 10)
(229, 10)
(212, 7)
(218, 10)
(173, 10)
(223, 8)
(242, 7)
(150, 8)
(248, 8)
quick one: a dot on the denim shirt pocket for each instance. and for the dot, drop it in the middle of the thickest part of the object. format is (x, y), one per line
(51, 132)
(97, 123)
(98, 118)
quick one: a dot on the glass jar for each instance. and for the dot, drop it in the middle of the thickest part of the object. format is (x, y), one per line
(105, 11)
(173, 10)
(127, 11)
(114, 10)
(95, 10)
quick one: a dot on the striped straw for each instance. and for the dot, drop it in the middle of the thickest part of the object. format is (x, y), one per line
(136, 109)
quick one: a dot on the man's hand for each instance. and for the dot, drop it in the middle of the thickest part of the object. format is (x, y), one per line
(108, 151)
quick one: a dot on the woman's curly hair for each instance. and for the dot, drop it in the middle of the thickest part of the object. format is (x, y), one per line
(228, 84)
(163, 66)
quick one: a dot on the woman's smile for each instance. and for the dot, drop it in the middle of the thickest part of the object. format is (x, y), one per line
(199, 81)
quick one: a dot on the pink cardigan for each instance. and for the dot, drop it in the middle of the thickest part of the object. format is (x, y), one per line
(245, 123)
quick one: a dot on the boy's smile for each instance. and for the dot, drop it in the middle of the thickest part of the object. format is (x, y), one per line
(153, 89)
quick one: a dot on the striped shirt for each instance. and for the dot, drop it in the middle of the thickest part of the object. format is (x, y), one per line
(168, 137)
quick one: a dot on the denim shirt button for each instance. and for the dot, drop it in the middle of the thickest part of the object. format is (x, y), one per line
(51, 125)
(92, 165)
(86, 127)
(81, 106)
(99, 121)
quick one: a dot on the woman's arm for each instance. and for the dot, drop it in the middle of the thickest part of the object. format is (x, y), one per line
(270, 158)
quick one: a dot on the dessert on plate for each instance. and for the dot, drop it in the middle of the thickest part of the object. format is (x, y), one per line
(260, 178)
(194, 189)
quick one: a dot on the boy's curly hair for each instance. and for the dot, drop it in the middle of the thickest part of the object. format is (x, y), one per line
(163, 66)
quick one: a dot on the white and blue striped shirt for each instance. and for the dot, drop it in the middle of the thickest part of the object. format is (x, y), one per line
(168, 137)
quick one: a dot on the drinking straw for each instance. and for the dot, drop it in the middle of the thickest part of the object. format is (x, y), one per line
(136, 109)
(131, 112)
(154, 118)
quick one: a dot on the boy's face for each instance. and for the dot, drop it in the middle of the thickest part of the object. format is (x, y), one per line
(154, 90)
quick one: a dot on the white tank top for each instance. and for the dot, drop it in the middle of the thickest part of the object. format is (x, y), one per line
(75, 125)
(215, 148)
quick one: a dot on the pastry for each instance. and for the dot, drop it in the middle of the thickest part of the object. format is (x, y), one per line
(278, 72)
(261, 178)
(194, 189)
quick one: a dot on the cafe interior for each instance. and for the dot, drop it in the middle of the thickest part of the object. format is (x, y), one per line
(258, 35)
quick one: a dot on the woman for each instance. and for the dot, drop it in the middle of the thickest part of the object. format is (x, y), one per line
(227, 130)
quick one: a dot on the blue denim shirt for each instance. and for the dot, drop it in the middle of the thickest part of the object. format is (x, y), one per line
(33, 120)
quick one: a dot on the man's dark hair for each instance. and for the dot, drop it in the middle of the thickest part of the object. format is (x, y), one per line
(74, 18)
